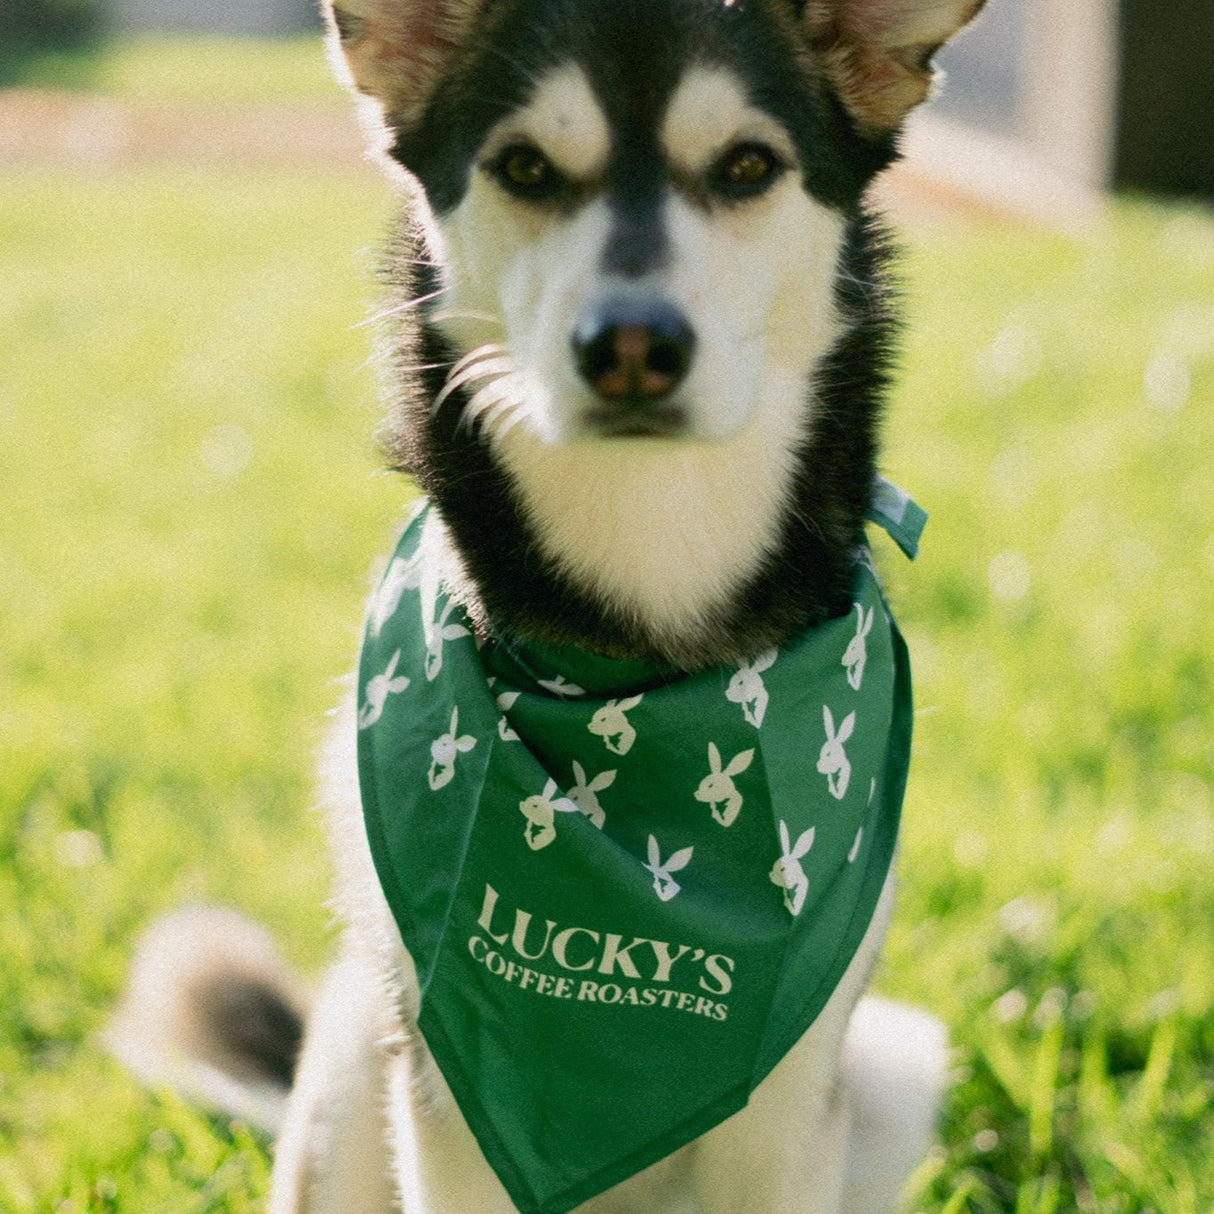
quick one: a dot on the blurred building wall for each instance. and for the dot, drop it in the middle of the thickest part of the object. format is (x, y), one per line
(984, 71)
(1165, 119)
(1103, 92)
(215, 16)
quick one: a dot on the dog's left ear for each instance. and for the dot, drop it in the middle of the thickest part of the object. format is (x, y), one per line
(878, 53)
(395, 52)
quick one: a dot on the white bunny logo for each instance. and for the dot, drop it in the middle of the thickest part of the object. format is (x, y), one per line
(541, 812)
(445, 750)
(437, 632)
(855, 847)
(561, 687)
(717, 788)
(584, 793)
(664, 885)
(859, 839)
(747, 687)
(787, 872)
(505, 702)
(856, 655)
(379, 688)
(610, 724)
(402, 575)
(833, 762)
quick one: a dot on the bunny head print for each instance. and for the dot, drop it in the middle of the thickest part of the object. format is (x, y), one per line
(833, 762)
(541, 812)
(746, 687)
(717, 789)
(856, 654)
(584, 794)
(445, 750)
(612, 725)
(787, 872)
(377, 691)
(664, 885)
(437, 633)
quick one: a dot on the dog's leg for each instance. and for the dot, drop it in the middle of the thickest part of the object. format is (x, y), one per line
(332, 1156)
(440, 1167)
(787, 1151)
(895, 1059)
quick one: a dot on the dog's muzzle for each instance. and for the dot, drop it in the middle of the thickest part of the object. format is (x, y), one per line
(633, 354)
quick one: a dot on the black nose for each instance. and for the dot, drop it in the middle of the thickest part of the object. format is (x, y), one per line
(630, 350)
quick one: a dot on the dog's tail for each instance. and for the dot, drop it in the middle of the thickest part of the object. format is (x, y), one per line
(212, 1010)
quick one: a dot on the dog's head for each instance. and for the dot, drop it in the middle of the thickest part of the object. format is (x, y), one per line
(638, 205)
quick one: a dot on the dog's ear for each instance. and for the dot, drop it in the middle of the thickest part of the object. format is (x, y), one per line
(396, 51)
(878, 53)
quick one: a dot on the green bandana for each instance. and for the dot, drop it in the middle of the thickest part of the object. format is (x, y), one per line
(627, 891)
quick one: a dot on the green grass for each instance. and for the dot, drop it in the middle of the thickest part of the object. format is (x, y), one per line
(1057, 906)
(190, 511)
(159, 68)
(191, 502)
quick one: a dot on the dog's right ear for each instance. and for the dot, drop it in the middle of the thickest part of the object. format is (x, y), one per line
(395, 52)
(878, 53)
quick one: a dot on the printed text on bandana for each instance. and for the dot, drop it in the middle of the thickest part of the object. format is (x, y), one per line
(559, 961)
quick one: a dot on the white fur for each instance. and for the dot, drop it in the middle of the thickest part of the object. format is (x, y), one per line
(564, 119)
(603, 513)
(709, 113)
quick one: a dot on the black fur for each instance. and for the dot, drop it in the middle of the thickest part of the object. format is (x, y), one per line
(257, 1030)
(633, 50)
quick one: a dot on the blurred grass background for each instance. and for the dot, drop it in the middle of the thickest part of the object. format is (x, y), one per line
(159, 67)
(192, 505)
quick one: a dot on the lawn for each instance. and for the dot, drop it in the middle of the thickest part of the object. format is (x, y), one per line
(192, 506)
(161, 68)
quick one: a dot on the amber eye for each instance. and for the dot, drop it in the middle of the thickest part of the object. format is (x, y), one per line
(746, 170)
(526, 171)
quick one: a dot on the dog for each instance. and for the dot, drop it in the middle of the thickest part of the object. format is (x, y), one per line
(638, 336)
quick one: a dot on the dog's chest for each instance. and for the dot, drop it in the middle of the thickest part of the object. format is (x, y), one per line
(604, 518)
(606, 871)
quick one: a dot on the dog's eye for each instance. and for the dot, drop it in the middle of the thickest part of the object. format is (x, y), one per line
(525, 170)
(746, 170)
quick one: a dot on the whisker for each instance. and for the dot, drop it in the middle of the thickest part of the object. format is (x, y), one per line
(490, 397)
(467, 314)
(455, 381)
(495, 380)
(414, 368)
(503, 415)
(396, 309)
(511, 418)
(477, 353)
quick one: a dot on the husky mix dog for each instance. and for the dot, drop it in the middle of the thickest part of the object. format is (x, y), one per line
(639, 339)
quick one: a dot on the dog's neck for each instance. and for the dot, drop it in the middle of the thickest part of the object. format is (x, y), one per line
(663, 532)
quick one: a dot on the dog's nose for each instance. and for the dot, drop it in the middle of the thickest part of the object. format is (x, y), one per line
(633, 350)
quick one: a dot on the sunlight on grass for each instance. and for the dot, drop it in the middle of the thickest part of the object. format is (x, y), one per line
(192, 509)
(191, 513)
(161, 68)
(1057, 901)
